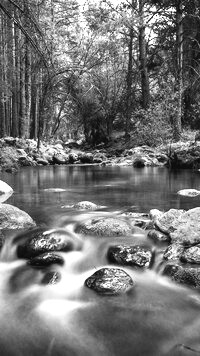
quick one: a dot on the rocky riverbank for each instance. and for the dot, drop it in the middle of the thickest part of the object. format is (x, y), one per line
(16, 153)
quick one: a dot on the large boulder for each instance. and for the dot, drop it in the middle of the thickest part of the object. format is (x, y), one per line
(135, 256)
(12, 217)
(183, 227)
(39, 242)
(110, 281)
(187, 228)
(106, 227)
(167, 221)
(5, 191)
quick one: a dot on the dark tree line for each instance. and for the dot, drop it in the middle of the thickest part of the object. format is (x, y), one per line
(68, 70)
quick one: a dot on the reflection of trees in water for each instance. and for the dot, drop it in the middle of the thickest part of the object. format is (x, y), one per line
(117, 187)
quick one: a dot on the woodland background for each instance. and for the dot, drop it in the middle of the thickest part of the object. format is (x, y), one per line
(71, 69)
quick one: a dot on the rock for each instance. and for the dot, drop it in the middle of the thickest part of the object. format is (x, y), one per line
(60, 158)
(42, 161)
(99, 157)
(86, 157)
(191, 255)
(46, 259)
(40, 242)
(173, 252)
(139, 162)
(73, 157)
(26, 161)
(110, 281)
(51, 278)
(167, 221)
(10, 140)
(187, 228)
(13, 218)
(85, 205)
(5, 191)
(105, 227)
(189, 192)
(158, 236)
(186, 275)
(138, 256)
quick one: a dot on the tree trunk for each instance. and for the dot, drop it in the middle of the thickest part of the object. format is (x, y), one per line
(143, 58)
(179, 79)
(129, 82)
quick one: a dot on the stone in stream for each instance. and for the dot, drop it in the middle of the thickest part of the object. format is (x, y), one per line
(191, 255)
(135, 256)
(85, 205)
(189, 192)
(12, 217)
(182, 226)
(52, 277)
(165, 221)
(173, 252)
(185, 275)
(45, 260)
(5, 191)
(110, 281)
(41, 242)
(158, 236)
(107, 227)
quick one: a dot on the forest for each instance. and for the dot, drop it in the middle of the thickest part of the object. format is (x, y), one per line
(84, 69)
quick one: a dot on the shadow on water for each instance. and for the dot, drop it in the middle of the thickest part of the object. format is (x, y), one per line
(155, 318)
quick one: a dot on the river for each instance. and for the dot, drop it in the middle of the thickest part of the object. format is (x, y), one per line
(157, 318)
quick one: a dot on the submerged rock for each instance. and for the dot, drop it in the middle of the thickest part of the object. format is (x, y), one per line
(51, 277)
(110, 281)
(85, 205)
(46, 259)
(45, 241)
(12, 217)
(186, 275)
(5, 191)
(135, 256)
(105, 227)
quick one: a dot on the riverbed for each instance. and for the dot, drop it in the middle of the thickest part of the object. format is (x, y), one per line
(156, 318)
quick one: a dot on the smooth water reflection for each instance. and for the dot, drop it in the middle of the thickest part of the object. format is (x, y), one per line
(114, 187)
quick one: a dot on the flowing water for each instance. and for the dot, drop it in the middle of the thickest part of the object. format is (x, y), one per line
(156, 318)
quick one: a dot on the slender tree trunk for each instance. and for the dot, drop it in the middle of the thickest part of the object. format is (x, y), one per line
(22, 93)
(27, 89)
(14, 113)
(179, 44)
(143, 58)
(129, 82)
